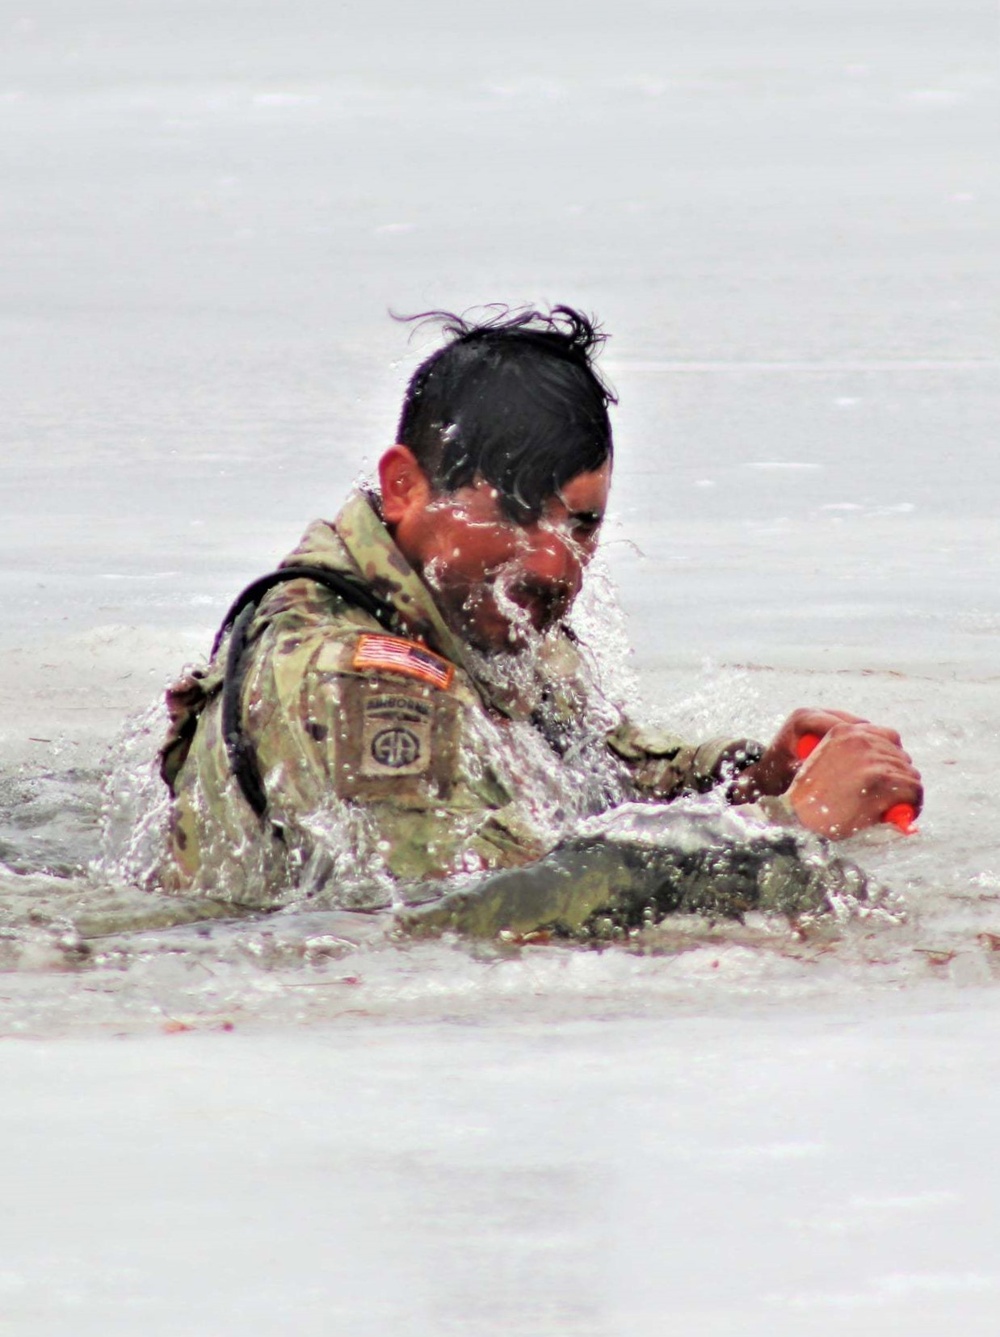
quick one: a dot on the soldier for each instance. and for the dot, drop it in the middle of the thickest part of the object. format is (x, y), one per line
(405, 700)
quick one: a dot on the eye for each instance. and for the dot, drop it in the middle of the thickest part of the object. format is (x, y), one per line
(586, 523)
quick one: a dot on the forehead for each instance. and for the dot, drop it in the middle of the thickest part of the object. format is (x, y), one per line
(585, 493)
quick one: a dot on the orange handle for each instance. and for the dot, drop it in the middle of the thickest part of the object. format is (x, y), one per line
(806, 745)
(900, 815)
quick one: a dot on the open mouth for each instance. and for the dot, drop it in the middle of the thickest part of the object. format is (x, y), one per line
(540, 605)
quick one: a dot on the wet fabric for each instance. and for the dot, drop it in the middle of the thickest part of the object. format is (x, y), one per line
(380, 771)
(645, 864)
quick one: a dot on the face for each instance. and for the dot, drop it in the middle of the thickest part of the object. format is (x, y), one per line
(496, 581)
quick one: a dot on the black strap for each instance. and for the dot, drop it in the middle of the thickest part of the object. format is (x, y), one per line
(349, 588)
(239, 748)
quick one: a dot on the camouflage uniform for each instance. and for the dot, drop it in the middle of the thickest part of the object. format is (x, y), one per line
(391, 760)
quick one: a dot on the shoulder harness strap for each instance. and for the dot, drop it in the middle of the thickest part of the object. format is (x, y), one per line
(239, 748)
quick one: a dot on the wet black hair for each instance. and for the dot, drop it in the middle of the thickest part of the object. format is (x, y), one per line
(513, 399)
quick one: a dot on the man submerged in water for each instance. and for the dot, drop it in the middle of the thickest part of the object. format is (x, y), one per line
(406, 700)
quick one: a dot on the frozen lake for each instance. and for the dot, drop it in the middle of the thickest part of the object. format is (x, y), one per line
(786, 217)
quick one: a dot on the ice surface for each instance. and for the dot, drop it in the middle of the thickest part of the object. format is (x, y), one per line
(786, 216)
(751, 1174)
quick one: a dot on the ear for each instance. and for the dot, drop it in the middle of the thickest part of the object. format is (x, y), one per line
(403, 484)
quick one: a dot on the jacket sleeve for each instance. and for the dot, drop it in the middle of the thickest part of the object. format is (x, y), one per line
(664, 766)
(381, 757)
(650, 861)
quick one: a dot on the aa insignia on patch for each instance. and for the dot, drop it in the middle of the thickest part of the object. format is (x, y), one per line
(396, 741)
(395, 735)
(402, 656)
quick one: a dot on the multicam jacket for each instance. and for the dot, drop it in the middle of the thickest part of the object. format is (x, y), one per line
(390, 759)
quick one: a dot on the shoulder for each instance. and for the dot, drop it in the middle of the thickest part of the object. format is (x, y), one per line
(383, 711)
(395, 707)
(372, 653)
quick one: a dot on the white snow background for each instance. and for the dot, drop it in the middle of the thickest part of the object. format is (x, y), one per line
(785, 214)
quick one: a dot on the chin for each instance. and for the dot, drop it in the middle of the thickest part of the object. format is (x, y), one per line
(506, 642)
(498, 635)
(498, 638)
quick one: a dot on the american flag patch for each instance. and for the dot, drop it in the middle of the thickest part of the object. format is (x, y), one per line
(400, 656)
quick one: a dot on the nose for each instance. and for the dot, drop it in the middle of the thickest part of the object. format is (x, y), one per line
(551, 557)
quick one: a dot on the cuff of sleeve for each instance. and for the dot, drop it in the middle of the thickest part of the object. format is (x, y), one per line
(721, 760)
(776, 810)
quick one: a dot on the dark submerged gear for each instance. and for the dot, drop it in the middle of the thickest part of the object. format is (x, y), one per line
(685, 859)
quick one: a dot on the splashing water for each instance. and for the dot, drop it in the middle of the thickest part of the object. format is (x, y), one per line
(85, 938)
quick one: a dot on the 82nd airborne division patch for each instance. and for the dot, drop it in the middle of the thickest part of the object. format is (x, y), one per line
(395, 735)
(394, 721)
